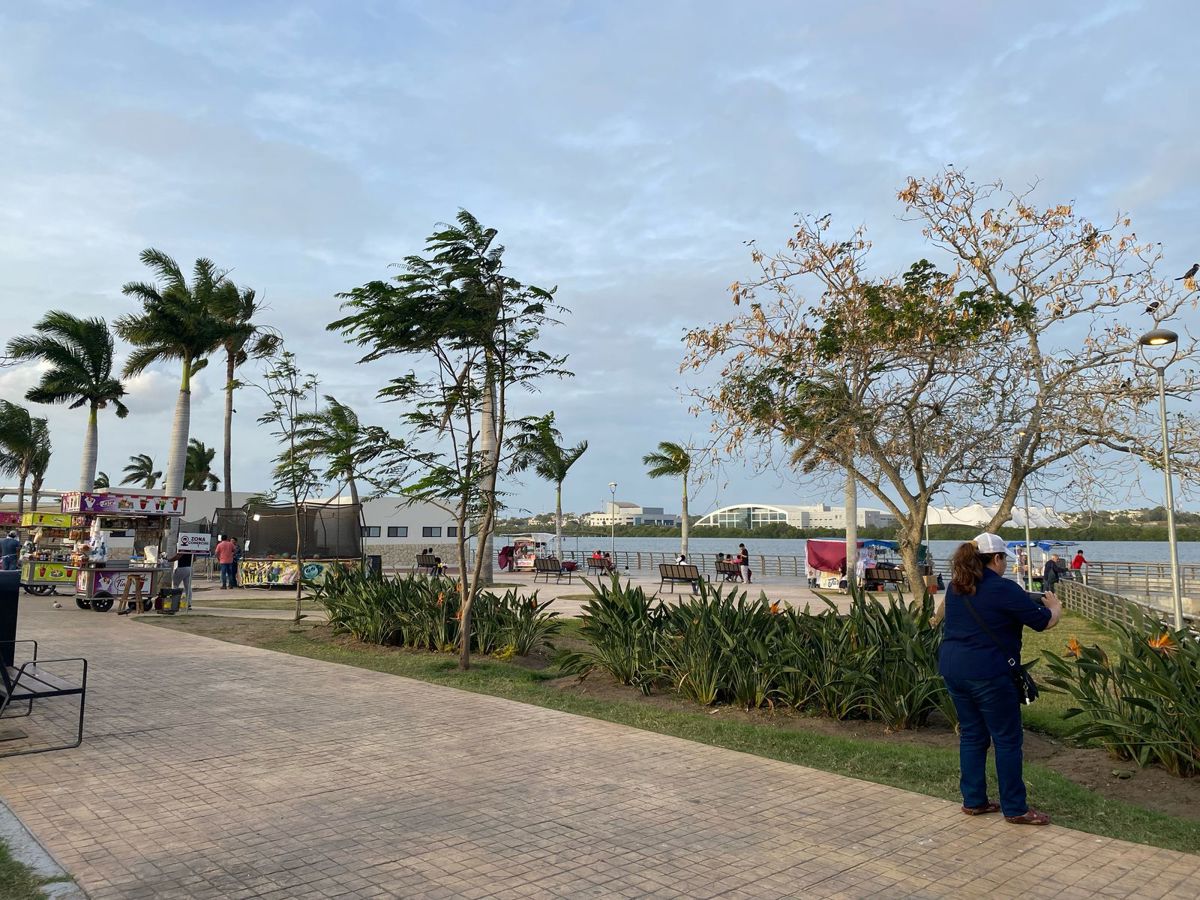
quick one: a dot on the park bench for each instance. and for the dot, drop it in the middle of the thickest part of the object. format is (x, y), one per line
(22, 683)
(547, 566)
(677, 573)
(602, 566)
(426, 562)
(729, 570)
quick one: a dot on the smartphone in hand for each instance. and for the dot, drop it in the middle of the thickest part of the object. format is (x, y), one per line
(1038, 597)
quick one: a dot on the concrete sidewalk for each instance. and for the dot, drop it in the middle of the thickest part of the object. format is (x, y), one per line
(212, 770)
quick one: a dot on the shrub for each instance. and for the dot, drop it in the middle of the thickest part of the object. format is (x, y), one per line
(624, 628)
(1145, 704)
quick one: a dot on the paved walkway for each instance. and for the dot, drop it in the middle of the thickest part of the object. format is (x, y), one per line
(218, 771)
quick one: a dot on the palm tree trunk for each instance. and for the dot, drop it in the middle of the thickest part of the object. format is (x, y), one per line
(21, 476)
(177, 454)
(35, 491)
(684, 527)
(558, 521)
(229, 370)
(490, 453)
(87, 470)
(362, 518)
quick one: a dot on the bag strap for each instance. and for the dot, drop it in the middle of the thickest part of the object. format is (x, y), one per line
(1012, 663)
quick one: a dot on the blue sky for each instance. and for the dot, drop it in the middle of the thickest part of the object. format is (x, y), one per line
(625, 150)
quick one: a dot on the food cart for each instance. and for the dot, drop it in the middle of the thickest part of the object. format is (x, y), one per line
(331, 538)
(124, 533)
(826, 562)
(46, 566)
(528, 547)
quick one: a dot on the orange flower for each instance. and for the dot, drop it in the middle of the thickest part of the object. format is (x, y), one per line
(458, 616)
(1073, 647)
(775, 607)
(441, 599)
(1163, 642)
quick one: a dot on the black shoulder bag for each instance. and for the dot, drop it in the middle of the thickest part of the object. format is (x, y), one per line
(1027, 688)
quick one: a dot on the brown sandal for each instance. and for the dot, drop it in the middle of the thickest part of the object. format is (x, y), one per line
(981, 810)
(1031, 817)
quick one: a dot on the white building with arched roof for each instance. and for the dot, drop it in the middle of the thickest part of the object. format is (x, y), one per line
(757, 515)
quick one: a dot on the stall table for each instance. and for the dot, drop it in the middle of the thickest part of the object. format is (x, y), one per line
(97, 587)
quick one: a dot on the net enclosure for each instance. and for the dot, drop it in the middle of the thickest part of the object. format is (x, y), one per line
(327, 530)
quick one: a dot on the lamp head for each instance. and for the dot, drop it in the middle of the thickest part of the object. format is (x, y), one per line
(1159, 347)
(612, 485)
(1159, 337)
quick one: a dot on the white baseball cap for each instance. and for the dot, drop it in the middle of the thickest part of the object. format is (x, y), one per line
(987, 544)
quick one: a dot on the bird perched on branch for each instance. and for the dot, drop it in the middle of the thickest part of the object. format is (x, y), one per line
(1190, 273)
(1152, 307)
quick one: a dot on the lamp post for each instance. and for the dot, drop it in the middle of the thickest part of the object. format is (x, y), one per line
(1158, 350)
(612, 520)
(1028, 542)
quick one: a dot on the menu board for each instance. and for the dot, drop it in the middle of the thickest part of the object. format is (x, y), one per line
(46, 520)
(110, 504)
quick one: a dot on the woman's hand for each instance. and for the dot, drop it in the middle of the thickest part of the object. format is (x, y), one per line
(1053, 604)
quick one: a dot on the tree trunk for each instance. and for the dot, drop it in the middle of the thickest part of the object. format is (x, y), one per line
(229, 369)
(177, 453)
(22, 476)
(910, 540)
(362, 519)
(558, 520)
(851, 504)
(87, 470)
(35, 491)
(464, 591)
(684, 526)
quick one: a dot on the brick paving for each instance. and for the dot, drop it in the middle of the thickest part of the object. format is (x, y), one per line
(212, 770)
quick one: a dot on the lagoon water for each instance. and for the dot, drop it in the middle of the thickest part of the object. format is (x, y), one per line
(1095, 551)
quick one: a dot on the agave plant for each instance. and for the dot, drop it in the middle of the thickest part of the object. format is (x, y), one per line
(624, 628)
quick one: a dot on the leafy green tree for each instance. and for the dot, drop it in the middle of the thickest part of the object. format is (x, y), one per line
(473, 328)
(537, 447)
(244, 338)
(673, 460)
(21, 439)
(79, 353)
(295, 475)
(178, 321)
(141, 471)
(198, 474)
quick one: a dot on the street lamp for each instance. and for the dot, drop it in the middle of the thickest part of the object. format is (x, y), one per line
(1028, 542)
(1158, 349)
(612, 520)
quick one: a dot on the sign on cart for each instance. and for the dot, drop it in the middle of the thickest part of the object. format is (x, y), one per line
(195, 543)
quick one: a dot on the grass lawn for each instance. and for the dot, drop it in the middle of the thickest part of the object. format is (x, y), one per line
(265, 602)
(18, 882)
(923, 769)
(1046, 715)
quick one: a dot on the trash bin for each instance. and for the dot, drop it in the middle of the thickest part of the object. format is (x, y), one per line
(375, 565)
(168, 600)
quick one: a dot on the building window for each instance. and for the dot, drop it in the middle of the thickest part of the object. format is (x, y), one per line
(431, 531)
(451, 531)
(370, 531)
(397, 531)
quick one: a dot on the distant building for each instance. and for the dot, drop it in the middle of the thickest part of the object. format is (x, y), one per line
(977, 516)
(757, 515)
(622, 512)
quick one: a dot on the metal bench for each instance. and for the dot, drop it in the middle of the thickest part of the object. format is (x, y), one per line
(29, 681)
(602, 565)
(547, 566)
(678, 573)
(426, 562)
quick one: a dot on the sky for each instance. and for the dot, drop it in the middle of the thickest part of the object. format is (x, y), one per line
(626, 151)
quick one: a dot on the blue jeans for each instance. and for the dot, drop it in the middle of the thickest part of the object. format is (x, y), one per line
(989, 711)
(228, 575)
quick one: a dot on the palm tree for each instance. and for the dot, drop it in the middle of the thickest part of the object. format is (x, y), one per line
(80, 354)
(38, 464)
(21, 436)
(198, 474)
(101, 482)
(178, 321)
(243, 339)
(141, 471)
(335, 434)
(537, 447)
(672, 461)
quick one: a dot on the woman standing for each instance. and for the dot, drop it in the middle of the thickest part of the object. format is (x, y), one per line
(984, 615)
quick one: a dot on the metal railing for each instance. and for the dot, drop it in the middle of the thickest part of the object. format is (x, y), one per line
(1104, 606)
(760, 564)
